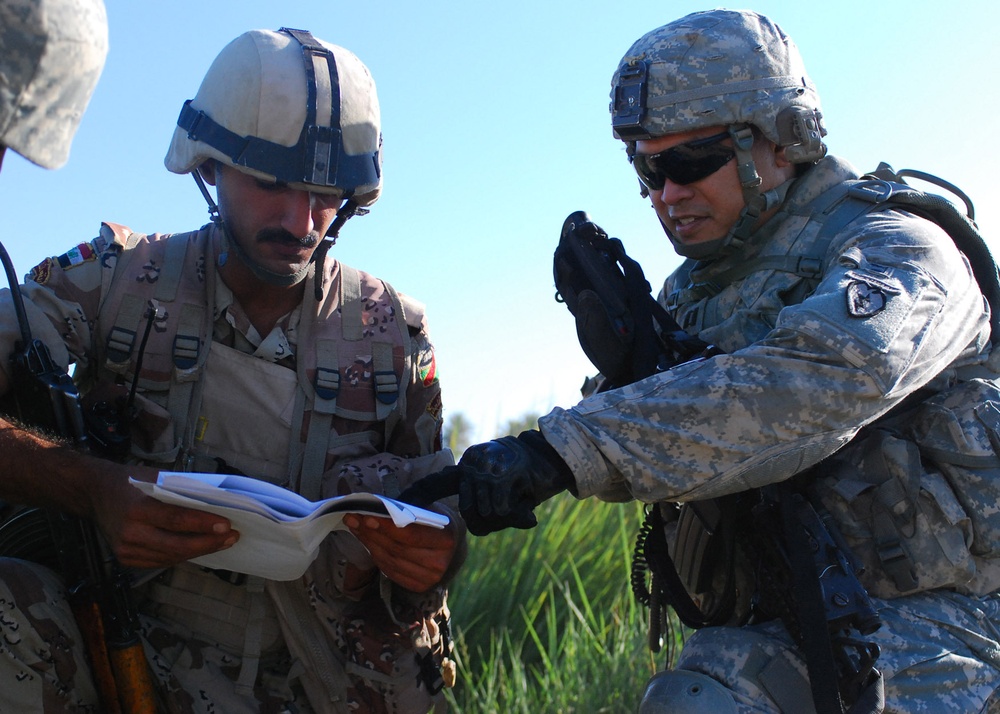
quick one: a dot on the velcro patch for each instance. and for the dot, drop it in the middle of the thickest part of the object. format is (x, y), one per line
(864, 300)
(428, 368)
(82, 253)
(42, 272)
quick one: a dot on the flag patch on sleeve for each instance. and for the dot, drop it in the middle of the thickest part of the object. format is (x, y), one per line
(82, 253)
(428, 369)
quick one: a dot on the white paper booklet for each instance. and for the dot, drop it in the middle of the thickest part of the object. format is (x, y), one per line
(280, 531)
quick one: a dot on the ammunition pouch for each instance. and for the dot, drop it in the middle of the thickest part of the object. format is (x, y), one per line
(709, 560)
(916, 495)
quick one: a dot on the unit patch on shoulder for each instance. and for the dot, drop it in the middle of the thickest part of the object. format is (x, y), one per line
(868, 293)
(79, 255)
(42, 272)
(864, 300)
(435, 407)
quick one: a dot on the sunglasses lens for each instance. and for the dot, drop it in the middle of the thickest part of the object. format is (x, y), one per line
(683, 164)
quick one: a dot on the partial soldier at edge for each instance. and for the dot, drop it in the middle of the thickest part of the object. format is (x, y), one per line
(51, 56)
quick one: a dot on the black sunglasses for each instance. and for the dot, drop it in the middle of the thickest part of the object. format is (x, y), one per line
(684, 163)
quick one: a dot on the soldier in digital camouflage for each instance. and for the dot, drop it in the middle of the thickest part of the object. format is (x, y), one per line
(847, 412)
(248, 351)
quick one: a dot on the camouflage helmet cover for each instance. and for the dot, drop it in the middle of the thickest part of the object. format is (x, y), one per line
(51, 56)
(285, 106)
(717, 68)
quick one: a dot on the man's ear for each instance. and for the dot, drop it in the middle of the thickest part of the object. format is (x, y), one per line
(780, 160)
(208, 170)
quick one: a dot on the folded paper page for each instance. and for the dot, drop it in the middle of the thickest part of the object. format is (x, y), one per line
(280, 531)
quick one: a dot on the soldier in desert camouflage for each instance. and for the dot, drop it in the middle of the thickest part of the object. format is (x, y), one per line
(265, 357)
(853, 364)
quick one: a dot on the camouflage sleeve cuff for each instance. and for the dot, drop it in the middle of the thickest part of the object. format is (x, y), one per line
(591, 470)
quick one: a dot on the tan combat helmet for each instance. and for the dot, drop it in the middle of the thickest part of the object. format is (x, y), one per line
(51, 55)
(721, 68)
(284, 106)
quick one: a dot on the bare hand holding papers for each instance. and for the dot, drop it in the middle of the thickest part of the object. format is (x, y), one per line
(280, 531)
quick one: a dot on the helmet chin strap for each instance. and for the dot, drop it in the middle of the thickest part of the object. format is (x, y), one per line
(755, 203)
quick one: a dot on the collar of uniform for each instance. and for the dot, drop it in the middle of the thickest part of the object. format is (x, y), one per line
(828, 172)
(234, 329)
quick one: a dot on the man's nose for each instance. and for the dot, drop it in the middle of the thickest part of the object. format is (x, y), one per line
(673, 193)
(297, 213)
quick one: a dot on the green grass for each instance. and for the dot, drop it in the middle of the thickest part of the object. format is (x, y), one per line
(545, 621)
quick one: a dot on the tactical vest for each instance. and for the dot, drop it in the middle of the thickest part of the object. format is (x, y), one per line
(916, 488)
(352, 361)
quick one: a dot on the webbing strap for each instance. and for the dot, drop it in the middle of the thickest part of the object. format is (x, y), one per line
(326, 383)
(350, 303)
(193, 341)
(806, 266)
(325, 387)
(121, 338)
(188, 340)
(322, 106)
(324, 663)
(384, 378)
(172, 268)
(251, 640)
(296, 449)
(208, 607)
(192, 345)
(394, 416)
(808, 594)
(314, 456)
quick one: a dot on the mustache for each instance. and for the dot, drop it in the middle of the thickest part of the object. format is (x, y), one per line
(280, 235)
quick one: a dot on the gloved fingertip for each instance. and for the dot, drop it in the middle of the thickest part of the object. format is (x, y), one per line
(523, 521)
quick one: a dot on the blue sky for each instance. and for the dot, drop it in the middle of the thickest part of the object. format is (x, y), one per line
(496, 127)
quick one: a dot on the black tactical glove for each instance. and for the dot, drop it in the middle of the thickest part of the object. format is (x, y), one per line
(499, 483)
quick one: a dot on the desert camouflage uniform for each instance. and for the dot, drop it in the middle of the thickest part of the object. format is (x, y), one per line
(808, 362)
(219, 641)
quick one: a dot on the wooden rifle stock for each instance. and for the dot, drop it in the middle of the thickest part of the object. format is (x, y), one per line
(99, 593)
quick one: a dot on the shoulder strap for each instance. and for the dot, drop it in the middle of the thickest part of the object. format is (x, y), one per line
(834, 210)
(326, 386)
(884, 188)
(181, 343)
(961, 227)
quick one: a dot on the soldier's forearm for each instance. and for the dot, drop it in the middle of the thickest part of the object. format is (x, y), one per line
(40, 471)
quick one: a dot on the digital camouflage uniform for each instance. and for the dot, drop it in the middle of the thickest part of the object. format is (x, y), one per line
(219, 641)
(806, 366)
(852, 369)
(51, 55)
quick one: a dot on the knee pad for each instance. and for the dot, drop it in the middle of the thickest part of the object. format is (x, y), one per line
(681, 691)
